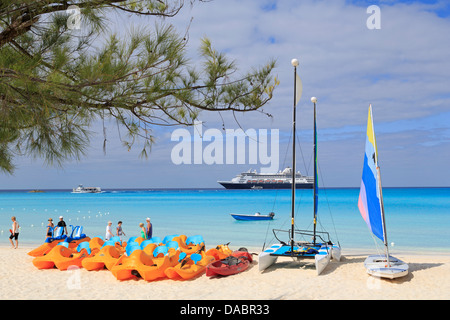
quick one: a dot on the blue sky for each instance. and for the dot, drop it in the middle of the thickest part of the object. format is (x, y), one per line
(402, 69)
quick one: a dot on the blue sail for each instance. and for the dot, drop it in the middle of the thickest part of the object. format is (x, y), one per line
(369, 202)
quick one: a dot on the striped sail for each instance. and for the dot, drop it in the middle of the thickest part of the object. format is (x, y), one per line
(369, 202)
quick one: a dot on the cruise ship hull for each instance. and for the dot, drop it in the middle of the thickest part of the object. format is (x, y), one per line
(267, 185)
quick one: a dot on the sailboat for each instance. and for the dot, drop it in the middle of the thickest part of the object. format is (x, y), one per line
(321, 249)
(370, 204)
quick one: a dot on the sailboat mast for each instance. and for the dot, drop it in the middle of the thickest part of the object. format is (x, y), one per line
(293, 159)
(380, 192)
(314, 100)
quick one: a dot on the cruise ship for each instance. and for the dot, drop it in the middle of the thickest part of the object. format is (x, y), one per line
(81, 189)
(280, 180)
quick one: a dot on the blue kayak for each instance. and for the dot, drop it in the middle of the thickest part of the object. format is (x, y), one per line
(252, 217)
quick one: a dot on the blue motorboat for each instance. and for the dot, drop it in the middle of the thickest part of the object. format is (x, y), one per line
(253, 217)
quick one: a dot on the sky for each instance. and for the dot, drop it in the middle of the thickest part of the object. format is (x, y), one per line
(402, 68)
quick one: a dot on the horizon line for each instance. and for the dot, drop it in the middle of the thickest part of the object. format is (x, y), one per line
(211, 188)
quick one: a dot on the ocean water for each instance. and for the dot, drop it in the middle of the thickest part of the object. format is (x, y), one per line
(418, 219)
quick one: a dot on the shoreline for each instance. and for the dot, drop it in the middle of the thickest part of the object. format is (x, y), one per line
(345, 251)
(428, 279)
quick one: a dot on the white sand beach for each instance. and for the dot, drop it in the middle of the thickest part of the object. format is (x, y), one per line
(429, 278)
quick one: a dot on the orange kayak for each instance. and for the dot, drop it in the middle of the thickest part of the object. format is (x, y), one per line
(45, 248)
(142, 265)
(190, 267)
(220, 252)
(107, 257)
(96, 243)
(61, 258)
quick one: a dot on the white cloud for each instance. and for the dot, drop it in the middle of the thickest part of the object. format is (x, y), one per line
(401, 69)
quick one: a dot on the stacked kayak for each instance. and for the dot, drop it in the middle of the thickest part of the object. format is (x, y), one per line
(63, 257)
(173, 258)
(220, 252)
(237, 262)
(106, 257)
(45, 248)
(75, 238)
(176, 257)
(189, 267)
(141, 264)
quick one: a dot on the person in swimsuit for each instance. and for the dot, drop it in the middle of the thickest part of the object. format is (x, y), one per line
(109, 233)
(149, 229)
(62, 224)
(50, 227)
(14, 233)
(119, 230)
(143, 232)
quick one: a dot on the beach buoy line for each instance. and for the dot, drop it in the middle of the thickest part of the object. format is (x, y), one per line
(43, 224)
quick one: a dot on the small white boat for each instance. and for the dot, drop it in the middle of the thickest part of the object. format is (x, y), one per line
(81, 189)
(377, 266)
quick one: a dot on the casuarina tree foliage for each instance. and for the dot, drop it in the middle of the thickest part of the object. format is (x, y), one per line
(62, 69)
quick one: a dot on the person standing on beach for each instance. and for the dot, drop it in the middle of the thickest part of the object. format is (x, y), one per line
(143, 231)
(109, 233)
(62, 224)
(14, 232)
(149, 230)
(50, 227)
(119, 230)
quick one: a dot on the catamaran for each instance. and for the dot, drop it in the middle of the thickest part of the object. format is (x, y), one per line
(321, 249)
(370, 204)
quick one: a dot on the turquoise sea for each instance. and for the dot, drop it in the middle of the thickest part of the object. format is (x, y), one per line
(418, 219)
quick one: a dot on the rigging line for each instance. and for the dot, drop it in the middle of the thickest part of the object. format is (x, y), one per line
(267, 231)
(277, 190)
(301, 152)
(299, 199)
(328, 203)
(377, 247)
(283, 166)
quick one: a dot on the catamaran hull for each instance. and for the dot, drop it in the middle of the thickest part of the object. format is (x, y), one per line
(376, 265)
(265, 259)
(325, 253)
(322, 259)
(336, 252)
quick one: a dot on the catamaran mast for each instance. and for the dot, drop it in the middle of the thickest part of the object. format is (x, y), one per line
(314, 100)
(383, 221)
(295, 64)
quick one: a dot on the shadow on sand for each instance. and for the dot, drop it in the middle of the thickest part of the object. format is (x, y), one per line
(348, 259)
